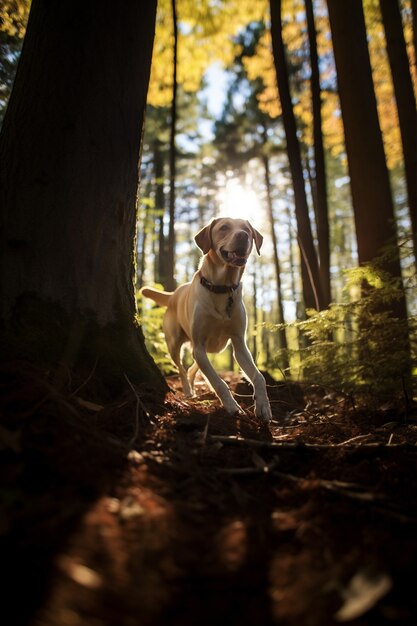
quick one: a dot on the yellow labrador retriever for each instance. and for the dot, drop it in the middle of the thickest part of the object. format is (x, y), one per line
(209, 311)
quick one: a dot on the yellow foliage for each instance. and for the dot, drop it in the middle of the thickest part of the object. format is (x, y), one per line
(294, 35)
(332, 123)
(205, 32)
(13, 16)
(408, 34)
(262, 64)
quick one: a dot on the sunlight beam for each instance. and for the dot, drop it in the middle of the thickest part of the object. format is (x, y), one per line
(239, 202)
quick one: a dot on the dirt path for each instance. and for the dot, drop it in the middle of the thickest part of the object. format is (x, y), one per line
(211, 519)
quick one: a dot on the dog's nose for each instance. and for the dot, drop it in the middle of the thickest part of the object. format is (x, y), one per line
(242, 236)
(241, 242)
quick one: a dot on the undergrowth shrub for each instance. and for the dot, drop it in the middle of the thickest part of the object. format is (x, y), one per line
(359, 347)
(150, 319)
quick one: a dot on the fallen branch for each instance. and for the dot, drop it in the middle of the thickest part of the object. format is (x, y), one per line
(300, 445)
(139, 404)
(354, 491)
(250, 471)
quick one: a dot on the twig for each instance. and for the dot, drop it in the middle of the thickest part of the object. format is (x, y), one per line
(299, 445)
(407, 400)
(205, 431)
(87, 380)
(250, 471)
(140, 404)
(357, 438)
(254, 443)
(347, 490)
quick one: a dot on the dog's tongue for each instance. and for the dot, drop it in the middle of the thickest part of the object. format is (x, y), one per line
(236, 258)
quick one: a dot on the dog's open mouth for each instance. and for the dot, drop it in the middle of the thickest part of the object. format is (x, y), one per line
(235, 257)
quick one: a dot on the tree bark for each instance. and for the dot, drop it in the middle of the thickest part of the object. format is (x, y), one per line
(255, 316)
(370, 185)
(69, 154)
(320, 184)
(282, 337)
(406, 102)
(414, 17)
(309, 263)
(170, 283)
(161, 272)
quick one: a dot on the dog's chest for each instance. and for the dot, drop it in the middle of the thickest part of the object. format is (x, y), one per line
(222, 309)
(217, 336)
(218, 322)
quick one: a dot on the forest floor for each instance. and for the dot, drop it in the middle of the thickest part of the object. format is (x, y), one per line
(173, 513)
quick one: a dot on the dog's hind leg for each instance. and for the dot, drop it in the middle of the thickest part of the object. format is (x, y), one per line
(175, 338)
(174, 348)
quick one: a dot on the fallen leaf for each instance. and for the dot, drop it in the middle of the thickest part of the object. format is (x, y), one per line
(91, 406)
(10, 439)
(362, 594)
(259, 462)
(80, 573)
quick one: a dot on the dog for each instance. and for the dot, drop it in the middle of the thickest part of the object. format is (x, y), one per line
(209, 312)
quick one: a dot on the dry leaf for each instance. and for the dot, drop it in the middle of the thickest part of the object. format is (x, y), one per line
(259, 462)
(91, 406)
(362, 594)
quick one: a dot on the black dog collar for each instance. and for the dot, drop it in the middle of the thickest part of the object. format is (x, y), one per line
(221, 289)
(218, 288)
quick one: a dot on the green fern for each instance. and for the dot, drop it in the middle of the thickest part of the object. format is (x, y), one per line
(359, 346)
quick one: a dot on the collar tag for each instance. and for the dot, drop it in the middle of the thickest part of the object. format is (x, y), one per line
(229, 306)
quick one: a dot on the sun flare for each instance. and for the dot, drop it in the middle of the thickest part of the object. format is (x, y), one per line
(239, 202)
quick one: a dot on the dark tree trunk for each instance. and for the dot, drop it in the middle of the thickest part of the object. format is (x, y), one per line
(406, 102)
(69, 153)
(414, 16)
(255, 316)
(161, 273)
(309, 263)
(370, 185)
(319, 182)
(142, 242)
(282, 337)
(170, 283)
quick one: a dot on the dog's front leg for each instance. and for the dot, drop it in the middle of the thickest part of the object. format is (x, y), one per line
(220, 387)
(246, 362)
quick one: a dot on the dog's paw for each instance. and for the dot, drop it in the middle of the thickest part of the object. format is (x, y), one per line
(232, 407)
(263, 411)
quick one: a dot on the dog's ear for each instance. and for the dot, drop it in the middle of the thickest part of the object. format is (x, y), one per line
(257, 237)
(203, 237)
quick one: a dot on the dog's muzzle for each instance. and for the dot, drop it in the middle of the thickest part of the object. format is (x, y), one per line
(239, 253)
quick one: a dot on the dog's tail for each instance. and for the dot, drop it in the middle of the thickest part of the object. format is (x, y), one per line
(160, 297)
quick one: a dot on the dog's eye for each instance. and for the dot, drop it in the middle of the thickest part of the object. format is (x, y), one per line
(224, 227)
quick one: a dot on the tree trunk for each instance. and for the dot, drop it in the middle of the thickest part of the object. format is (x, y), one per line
(255, 317)
(309, 263)
(160, 211)
(320, 186)
(282, 337)
(406, 102)
(370, 185)
(414, 16)
(170, 280)
(69, 154)
(142, 242)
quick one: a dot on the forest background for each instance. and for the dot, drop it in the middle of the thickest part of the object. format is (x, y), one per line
(120, 502)
(250, 121)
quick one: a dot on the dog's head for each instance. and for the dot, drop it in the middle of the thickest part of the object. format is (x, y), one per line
(231, 239)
